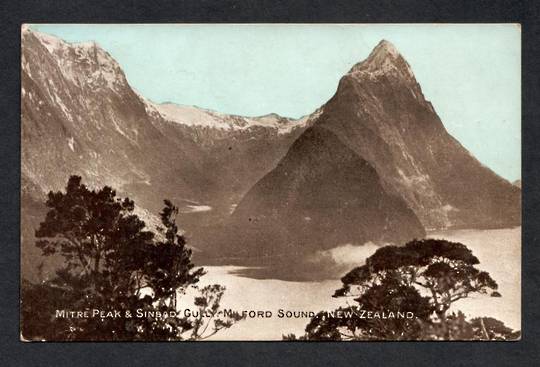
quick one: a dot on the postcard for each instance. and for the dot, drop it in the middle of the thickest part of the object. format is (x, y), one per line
(293, 182)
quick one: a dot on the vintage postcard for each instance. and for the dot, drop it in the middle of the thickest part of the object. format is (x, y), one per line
(342, 182)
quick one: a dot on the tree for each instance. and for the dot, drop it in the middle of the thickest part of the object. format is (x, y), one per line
(458, 328)
(423, 277)
(112, 263)
(170, 260)
(492, 329)
(386, 302)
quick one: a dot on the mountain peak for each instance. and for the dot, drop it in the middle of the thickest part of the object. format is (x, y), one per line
(25, 28)
(385, 48)
(383, 59)
(74, 59)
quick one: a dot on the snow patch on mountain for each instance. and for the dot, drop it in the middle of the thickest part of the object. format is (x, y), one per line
(71, 142)
(385, 59)
(195, 116)
(196, 208)
(191, 116)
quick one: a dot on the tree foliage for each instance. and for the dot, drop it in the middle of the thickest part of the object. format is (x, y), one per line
(112, 263)
(423, 277)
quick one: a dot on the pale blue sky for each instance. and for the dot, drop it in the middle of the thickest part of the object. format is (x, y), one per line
(471, 73)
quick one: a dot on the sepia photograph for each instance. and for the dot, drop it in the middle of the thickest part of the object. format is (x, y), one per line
(270, 182)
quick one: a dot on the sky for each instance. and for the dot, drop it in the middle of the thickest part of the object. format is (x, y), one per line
(470, 73)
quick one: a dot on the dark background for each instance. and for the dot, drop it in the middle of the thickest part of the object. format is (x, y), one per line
(16, 353)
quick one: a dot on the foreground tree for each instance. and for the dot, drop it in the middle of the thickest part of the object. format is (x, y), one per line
(424, 278)
(115, 265)
(457, 327)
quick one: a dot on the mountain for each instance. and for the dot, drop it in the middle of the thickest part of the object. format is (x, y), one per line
(378, 165)
(517, 183)
(79, 115)
(320, 195)
(379, 111)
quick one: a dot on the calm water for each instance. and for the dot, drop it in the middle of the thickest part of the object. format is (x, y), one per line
(499, 252)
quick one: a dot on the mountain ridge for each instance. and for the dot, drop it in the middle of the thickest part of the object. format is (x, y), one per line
(79, 115)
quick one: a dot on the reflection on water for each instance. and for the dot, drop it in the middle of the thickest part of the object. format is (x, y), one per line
(309, 284)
